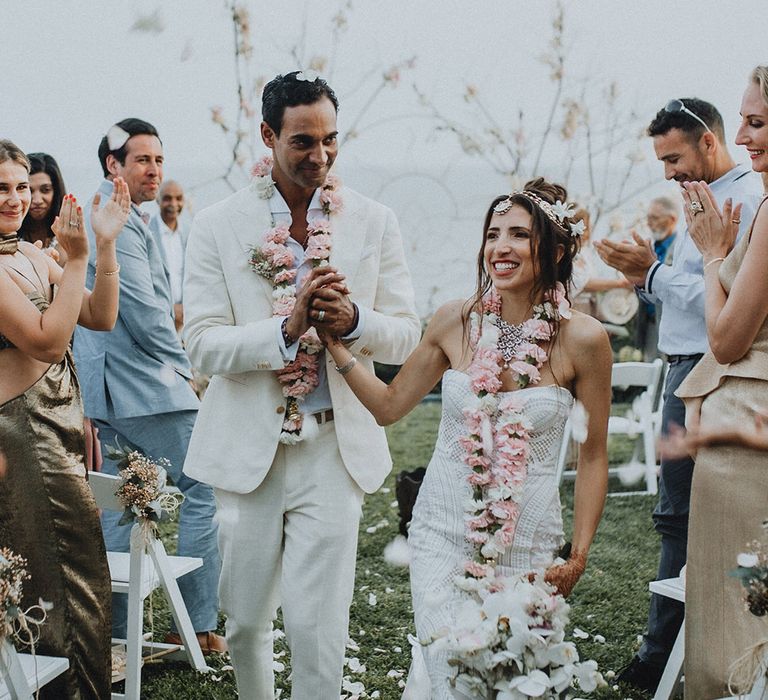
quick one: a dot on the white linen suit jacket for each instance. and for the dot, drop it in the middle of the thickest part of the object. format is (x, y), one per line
(230, 334)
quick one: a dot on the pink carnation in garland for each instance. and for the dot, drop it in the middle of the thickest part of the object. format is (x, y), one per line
(279, 234)
(319, 246)
(262, 167)
(285, 277)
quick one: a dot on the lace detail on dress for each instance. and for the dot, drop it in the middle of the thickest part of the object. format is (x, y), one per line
(436, 536)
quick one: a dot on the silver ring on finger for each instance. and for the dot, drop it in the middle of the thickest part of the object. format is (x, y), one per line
(321, 315)
(73, 222)
(696, 207)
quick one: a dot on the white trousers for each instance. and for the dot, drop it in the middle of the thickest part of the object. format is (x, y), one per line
(291, 543)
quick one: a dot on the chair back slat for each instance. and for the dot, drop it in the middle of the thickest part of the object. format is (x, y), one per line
(104, 487)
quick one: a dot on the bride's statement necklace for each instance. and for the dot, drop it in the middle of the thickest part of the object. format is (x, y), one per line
(510, 337)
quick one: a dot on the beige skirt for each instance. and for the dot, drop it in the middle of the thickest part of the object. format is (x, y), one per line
(729, 501)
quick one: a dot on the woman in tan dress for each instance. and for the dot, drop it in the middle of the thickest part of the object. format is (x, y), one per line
(47, 513)
(729, 496)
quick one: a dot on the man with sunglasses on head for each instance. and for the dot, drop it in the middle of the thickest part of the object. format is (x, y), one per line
(689, 139)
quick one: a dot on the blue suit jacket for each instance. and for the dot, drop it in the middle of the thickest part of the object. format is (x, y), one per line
(139, 368)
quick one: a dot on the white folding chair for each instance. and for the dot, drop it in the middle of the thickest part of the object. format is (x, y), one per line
(22, 675)
(138, 573)
(669, 684)
(640, 423)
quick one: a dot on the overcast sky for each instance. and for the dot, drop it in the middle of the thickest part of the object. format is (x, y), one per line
(72, 68)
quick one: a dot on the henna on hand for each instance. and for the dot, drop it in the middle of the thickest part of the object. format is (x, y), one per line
(565, 576)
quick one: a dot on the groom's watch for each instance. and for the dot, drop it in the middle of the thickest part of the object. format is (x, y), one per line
(288, 339)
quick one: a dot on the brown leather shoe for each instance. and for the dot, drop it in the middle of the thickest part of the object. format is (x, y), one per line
(210, 642)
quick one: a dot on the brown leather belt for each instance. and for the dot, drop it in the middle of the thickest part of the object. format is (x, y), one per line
(323, 416)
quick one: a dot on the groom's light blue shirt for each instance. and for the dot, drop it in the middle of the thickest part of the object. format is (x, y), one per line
(320, 398)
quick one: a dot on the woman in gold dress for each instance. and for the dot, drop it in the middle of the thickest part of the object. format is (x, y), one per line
(729, 496)
(47, 513)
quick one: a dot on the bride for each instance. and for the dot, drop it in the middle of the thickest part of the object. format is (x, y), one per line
(514, 346)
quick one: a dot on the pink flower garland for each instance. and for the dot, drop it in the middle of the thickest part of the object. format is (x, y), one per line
(497, 440)
(273, 260)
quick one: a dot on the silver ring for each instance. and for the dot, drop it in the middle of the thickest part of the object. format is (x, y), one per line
(696, 207)
(735, 221)
(73, 222)
(321, 315)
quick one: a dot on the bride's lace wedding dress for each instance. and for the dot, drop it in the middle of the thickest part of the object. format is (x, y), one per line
(436, 536)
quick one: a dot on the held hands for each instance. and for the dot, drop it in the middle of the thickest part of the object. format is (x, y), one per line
(108, 221)
(302, 316)
(632, 258)
(565, 576)
(714, 232)
(331, 312)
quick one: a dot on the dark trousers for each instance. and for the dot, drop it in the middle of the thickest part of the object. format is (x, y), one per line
(671, 521)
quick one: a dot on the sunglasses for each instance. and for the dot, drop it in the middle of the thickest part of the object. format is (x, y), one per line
(677, 106)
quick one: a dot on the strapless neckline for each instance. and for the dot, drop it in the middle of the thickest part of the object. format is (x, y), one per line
(514, 391)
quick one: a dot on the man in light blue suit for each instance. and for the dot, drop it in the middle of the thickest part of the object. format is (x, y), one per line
(136, 379)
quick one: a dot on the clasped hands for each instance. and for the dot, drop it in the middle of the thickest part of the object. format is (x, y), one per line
(322, 302)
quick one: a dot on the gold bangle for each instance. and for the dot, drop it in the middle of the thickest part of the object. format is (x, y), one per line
(112, 272)
(714, 260)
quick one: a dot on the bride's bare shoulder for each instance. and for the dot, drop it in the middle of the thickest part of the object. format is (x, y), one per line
(450, 315)
(583, 332)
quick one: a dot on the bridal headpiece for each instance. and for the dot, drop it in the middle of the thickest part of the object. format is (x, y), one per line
(557, 213)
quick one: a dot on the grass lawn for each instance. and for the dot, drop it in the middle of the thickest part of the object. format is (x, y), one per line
(610, 600)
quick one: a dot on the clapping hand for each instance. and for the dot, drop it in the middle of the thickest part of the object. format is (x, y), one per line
(108, 220)
(632, 258)
(714, 232)
(69, 229)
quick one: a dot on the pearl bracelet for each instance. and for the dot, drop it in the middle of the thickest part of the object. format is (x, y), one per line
(714, 260)
(345, 369)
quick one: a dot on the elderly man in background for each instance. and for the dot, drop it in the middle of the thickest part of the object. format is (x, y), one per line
(689, 139)
(662, 221)
(173, 236)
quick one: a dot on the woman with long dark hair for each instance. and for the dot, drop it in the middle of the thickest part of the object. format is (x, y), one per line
(47, 512)
(513, 360)
(47, 190)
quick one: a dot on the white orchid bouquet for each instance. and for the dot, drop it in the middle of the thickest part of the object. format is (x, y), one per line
(508, 643)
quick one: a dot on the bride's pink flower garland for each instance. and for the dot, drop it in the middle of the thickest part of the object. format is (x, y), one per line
(497, 440)
(273, 260)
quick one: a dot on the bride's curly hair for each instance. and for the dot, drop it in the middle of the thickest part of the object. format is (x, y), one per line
(553, 248)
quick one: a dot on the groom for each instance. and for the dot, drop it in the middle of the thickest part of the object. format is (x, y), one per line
(288, 475)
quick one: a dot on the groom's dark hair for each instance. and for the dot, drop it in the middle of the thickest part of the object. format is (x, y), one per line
(290, 90)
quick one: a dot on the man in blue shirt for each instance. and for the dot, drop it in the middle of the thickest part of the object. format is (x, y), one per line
(689, 139)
